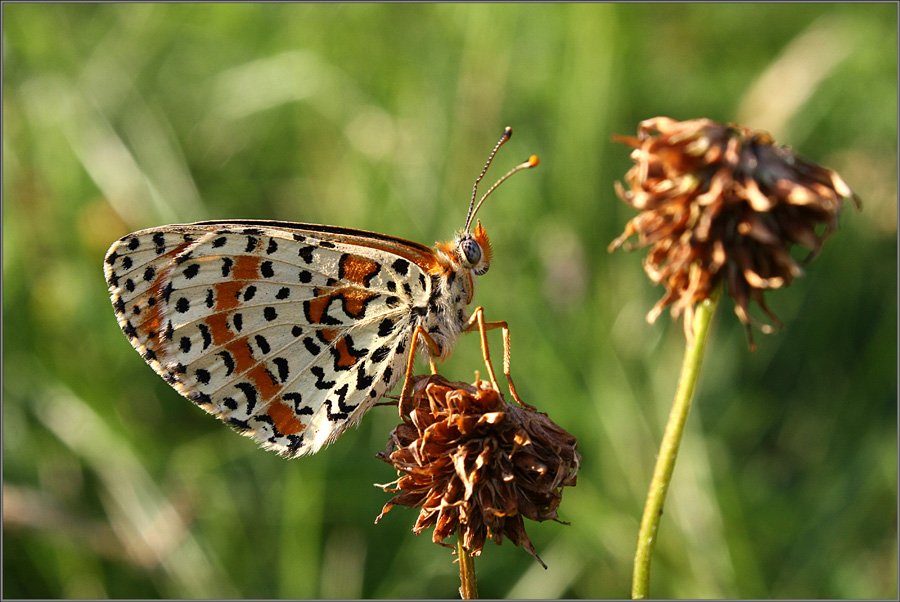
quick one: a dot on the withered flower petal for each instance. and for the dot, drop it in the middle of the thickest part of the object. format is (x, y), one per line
(469, 460)
(724, 203)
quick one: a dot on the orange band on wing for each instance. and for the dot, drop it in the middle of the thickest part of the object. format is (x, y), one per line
(218, 328)
(345, 359)
(241, 354)
(227, 294)
(357, 270)
(286, 421)
(263, 380)
(246, 267)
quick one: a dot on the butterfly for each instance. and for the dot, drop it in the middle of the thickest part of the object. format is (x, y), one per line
(290, 332)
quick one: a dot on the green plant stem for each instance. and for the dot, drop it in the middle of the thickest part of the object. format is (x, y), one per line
(668, 450)
(469, 588)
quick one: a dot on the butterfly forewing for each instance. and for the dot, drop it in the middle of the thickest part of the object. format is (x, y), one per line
(287, 332)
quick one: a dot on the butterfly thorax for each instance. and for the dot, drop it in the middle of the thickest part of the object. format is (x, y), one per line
(445, 315)
(460, 261)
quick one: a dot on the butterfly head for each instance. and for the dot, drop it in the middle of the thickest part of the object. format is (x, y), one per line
(473, 250)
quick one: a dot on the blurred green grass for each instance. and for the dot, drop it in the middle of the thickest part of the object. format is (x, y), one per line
(120, 117)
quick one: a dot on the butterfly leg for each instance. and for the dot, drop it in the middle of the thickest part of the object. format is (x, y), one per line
(435, 350)
(476, 322)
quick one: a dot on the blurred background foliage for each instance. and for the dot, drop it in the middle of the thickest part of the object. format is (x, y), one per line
(120, 117)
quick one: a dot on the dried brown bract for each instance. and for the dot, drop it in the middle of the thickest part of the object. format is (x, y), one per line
(724, 203)
(471, 461)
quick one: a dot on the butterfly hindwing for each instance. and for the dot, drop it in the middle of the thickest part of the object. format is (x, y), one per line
(287, 332)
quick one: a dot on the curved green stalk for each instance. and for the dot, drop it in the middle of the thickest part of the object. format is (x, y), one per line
(469, 587)
(668, 450)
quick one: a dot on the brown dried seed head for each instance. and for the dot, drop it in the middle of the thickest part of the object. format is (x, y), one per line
(723, 203)
(470, 461)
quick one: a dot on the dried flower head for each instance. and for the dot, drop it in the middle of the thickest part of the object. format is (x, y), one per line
(471, 461)
(724, 203)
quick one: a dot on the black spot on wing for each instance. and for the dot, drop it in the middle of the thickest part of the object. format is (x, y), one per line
(159, 239)
(294, 399)
(262, 343)
(311, 346)
(238, 425)
(192, 270)
(380, 354)
(205, 335)
(283, 369)
(401, 266)
(340, 396)
(363, 381)
(249, 392)
(201, 399)
(321, 383)
(228, 360)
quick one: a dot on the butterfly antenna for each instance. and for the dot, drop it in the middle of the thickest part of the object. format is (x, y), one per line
(531, 162)
(507, 133)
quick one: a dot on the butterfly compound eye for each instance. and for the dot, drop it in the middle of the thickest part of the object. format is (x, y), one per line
(471, 250)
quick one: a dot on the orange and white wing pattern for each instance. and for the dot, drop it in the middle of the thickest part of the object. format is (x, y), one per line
(291, 332)
(287, 332)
